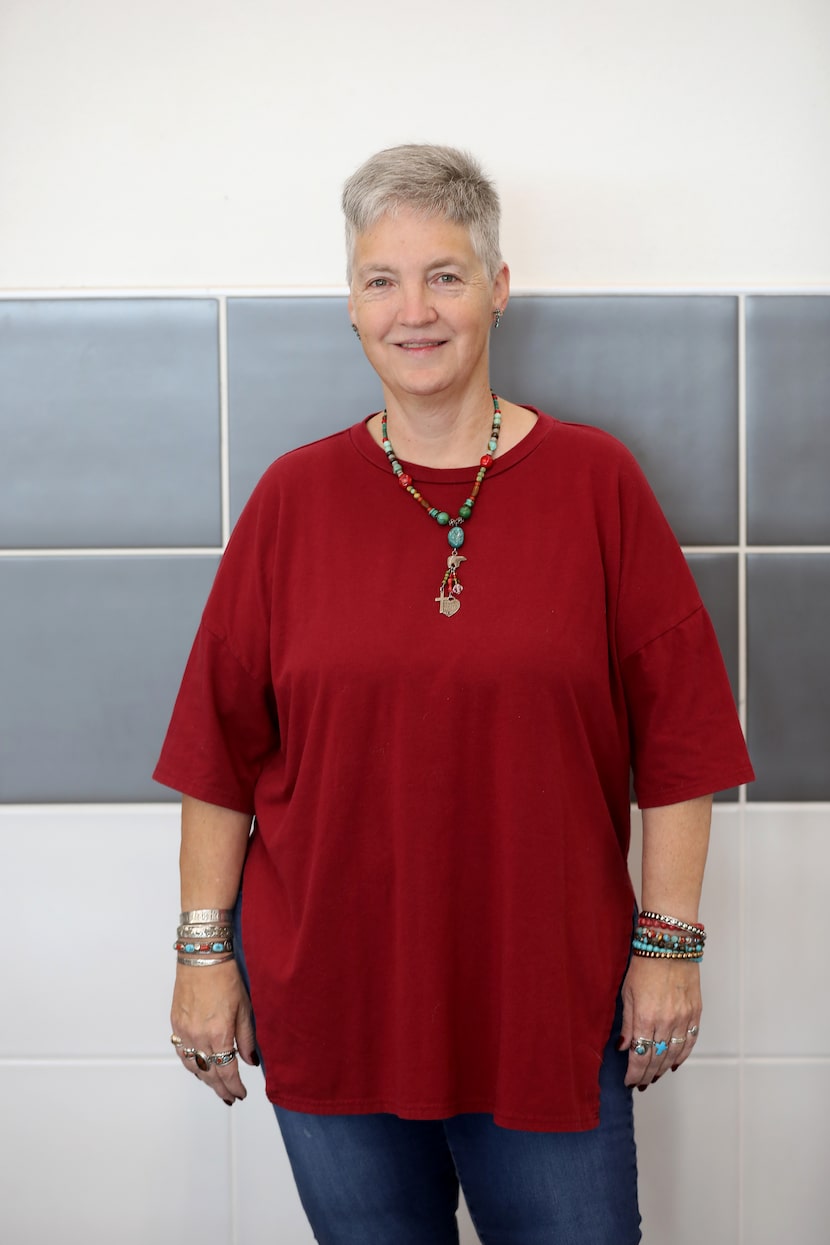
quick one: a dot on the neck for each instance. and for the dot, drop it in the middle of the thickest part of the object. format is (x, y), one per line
(437, 432)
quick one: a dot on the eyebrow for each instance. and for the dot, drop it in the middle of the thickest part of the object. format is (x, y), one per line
(382, 269)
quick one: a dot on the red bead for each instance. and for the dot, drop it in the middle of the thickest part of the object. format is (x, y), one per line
(404, 480)
(486, 460)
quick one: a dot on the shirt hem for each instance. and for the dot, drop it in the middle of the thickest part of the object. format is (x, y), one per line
(201, 791)
(522, 1121)
(658, 798)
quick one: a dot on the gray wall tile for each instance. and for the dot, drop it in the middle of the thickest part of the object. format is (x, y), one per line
(788, 605)
(109, 421)
(716, 575)
(788, 420)
(661, 373)
(296, 372)
(92, 656)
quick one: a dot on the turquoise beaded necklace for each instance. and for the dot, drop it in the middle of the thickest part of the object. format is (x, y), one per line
(450, 590)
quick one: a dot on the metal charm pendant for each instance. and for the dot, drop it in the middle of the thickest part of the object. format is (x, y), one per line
(450, 604)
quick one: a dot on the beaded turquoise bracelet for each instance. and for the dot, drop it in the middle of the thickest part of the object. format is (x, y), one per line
(664, 953)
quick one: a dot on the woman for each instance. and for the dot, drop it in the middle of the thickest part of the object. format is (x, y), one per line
(436, 645)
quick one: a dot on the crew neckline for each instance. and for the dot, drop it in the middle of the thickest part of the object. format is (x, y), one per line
(366, 445)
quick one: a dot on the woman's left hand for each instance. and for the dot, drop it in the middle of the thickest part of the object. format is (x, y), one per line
(661, 1002)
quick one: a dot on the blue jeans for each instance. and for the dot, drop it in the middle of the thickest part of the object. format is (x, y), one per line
(382, 1180)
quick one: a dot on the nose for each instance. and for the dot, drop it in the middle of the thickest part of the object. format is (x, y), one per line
(416, 305)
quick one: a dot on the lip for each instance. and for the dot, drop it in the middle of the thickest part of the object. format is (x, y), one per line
(419, 343)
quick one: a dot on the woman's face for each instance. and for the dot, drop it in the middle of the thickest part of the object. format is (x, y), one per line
(423, 304)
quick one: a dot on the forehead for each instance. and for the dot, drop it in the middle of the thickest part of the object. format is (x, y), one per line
(407, 237)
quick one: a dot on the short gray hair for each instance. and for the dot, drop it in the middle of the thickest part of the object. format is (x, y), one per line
(434, 181)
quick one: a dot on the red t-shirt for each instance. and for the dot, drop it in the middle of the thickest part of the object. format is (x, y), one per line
(437, 908)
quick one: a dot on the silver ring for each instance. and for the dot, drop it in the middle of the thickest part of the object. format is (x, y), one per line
(176, 1040)
(202, 1060)
(677, 1041)
(222, 1058)
(641, 1046)
(693, 1032)
(187, 1052)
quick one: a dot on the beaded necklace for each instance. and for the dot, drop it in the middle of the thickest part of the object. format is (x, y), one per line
(451, 589)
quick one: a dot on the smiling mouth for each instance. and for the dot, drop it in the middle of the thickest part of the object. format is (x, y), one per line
(418, 345)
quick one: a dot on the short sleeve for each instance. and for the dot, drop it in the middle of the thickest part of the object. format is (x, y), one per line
(224, 724)
(686, 740)
(222, 730)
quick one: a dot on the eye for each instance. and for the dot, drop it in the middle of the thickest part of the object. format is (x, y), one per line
(447, 278)
(378, 283)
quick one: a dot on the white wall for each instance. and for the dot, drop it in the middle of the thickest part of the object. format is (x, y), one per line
(193, 143)
(176, 144)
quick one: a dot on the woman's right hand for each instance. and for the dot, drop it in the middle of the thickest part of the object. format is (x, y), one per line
(211, 1011)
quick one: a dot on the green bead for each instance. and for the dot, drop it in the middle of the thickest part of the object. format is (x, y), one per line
(464, 512)
(443, 518)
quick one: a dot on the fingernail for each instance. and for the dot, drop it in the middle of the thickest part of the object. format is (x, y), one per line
(675, 1067)
(228, 1102)
(255, 1059)
(642, 1088)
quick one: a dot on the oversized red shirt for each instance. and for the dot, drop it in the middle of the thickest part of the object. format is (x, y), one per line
(437, 907)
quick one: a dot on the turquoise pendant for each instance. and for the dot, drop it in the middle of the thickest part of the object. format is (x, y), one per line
(456, 537)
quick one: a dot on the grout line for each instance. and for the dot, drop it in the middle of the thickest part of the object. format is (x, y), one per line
(130, 808)
(742, 520)
(198, 551)
(743, 918)
(163, 1061)
(224, 424)
(742, 794)
(234, 1179)
(85, 1061)
(341, 291)
(179, 551)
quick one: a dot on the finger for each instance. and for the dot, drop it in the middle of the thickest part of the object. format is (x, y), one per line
(640, 1062)
(218, 1071)
(213, 1061)
(245, 1036)
(686, 1048)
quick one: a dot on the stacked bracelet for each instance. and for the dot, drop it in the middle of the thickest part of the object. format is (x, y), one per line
(666, 937)
(657, 918)
(201, 916)
(204, 937)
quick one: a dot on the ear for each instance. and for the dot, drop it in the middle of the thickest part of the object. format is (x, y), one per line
(350, 305)
(501, 287)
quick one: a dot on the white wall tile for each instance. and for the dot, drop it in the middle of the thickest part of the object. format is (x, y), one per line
(133, 1155)
(92, 897)
(786, 1127)
(720, 912)
(268, 1208)
(687, 1147)
(787, 1004)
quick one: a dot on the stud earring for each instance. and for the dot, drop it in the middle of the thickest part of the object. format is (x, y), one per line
(497, 317)
(356, 331)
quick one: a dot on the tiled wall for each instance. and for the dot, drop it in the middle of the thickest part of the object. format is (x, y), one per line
(132, 430)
